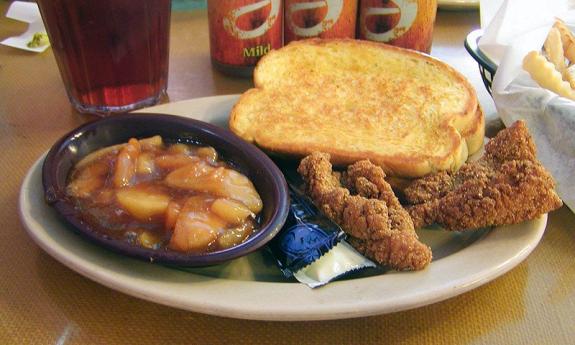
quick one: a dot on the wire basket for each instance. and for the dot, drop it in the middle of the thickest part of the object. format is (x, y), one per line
(487, 68)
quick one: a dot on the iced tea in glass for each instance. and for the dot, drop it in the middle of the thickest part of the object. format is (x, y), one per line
(112, 54)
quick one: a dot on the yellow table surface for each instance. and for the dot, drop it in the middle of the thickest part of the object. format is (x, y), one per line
(44, 302)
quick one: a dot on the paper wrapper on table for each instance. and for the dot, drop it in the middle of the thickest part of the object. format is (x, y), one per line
(27, 12)
(521, 26)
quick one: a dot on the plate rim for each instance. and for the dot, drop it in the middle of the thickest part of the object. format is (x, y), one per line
(328, 302)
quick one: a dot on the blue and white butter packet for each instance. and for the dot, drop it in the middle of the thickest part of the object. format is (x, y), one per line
(311, 247)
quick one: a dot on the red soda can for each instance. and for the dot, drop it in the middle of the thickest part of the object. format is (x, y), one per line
(323, 19)
(242, 31)
(403, 23)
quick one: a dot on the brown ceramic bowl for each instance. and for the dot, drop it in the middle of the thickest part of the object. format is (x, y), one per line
(246, 158)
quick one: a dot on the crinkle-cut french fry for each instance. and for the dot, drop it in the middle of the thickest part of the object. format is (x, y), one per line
(554, 50)
(570, 53)
(567, 39)
(545, 74)
(569, 76)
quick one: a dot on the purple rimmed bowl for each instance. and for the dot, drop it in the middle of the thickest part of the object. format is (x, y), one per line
(246, 158)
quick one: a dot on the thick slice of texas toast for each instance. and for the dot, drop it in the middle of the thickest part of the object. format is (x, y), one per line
(405, 111)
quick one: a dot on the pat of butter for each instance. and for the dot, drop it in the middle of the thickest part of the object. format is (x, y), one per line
(340, 260)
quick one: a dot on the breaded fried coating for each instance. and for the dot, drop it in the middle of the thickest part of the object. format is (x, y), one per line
(379, 227)
(507, 185)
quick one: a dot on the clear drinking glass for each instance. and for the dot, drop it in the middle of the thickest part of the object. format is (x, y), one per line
(112, 54)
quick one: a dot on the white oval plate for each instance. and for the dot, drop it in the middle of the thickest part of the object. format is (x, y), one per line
(252, 287)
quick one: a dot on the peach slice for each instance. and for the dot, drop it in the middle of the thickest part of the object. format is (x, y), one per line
(142, 204)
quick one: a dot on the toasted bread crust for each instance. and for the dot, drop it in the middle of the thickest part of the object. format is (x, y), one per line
(474, 133)
(345, 104)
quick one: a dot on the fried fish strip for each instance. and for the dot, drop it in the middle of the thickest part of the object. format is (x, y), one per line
(379, 227)
(506, 186)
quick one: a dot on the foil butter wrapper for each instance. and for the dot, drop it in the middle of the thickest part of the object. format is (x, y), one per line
(311, 247)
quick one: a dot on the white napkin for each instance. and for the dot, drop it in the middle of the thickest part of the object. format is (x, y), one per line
(27, 12)
(518, 27)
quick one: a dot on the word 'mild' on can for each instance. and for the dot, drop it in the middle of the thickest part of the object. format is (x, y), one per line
(242, 31)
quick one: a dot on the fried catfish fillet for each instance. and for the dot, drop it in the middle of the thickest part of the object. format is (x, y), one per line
(507, 185)
(377, 224)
